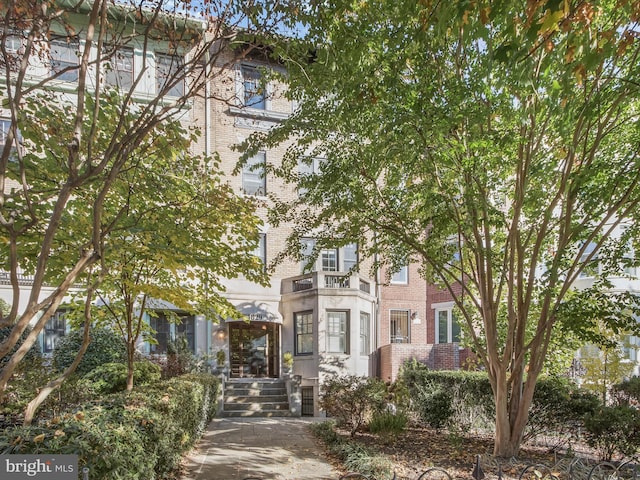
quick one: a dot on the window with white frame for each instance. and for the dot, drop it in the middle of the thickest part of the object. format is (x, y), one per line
(54, 330)
(589, 260)
(303, 326)
(350, 254)
(629, 255)
(64, 57)
(307, 166)
(329, 257)
(254, 179)
(401, 277)
(13, 46)
(254, 94)
(5, 127)
(13, 43)
(119, 68)
(307, 263)
(168, 75)
(399, 326)
(261, 249)
(365, 333)
(337, 327)
(447, 326)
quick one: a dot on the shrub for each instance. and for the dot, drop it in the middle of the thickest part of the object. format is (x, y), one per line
(388, 423)
(354, 456)
(33, 355)
(180, 359)
(558, 409)
(352, 399)
(110, 448)
(105, 347)
(30, 371)
(613, 430)
(434, 404)
(112, 377)
(628, 391)
(141, 435)
(459, 399)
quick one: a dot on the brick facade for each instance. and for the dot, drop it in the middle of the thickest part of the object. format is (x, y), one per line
(443, 356)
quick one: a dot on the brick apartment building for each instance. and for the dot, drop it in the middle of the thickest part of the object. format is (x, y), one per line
(331, 320)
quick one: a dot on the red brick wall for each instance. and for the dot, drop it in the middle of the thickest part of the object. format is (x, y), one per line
(443, 356)
(411, 297)
(436, 295)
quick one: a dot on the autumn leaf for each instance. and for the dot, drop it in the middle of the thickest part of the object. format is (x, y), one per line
(550, 22)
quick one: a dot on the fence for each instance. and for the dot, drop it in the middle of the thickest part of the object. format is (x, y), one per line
(576, 471)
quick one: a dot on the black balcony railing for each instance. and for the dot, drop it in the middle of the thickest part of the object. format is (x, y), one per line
(302, 284)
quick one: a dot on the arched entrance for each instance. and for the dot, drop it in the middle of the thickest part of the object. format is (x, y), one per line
(253, 349)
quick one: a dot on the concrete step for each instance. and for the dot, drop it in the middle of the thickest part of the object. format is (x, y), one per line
(255, 398)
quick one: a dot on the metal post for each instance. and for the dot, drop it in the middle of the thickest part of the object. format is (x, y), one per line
(85, 473)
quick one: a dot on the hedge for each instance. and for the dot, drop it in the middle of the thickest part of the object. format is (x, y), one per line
(137, 435)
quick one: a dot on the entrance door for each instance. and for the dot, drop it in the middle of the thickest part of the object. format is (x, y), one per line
(254, 349)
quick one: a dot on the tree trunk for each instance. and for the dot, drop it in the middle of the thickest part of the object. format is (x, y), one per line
(34, 404)
(512, 411)
(131, 349)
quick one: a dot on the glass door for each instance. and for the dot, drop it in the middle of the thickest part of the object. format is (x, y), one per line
(253, 349)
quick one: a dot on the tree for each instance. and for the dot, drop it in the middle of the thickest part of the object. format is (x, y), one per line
(494, 143)
(208, 234)
(82, 124)
(604, 367)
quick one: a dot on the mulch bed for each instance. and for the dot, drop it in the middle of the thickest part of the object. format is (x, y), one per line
(419, 449)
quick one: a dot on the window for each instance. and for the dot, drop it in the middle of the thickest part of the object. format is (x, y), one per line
(307, 401)
(5, 127)
(329, 258)
(337, 332)
(307, 166)
(167, 69)
(180, 328)
(447, 326)
(401, 276)
(162, 335)
(306, 251)
(13, 46)
(350, 256)
(261, 249)
(254, 181)
(629, 255)
(65, 55)
(253, 89)
(303, 325)
(119, 68)
(185, 331)
(399, 326)
(365, 333)
(54, 330)
(590, 268)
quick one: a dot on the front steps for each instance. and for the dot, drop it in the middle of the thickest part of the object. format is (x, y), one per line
(255, 397)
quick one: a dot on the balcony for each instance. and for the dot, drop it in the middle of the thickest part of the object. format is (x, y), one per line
(23, 279)
(328, 280)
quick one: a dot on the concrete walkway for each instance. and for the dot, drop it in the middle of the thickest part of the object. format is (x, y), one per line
(259, 449)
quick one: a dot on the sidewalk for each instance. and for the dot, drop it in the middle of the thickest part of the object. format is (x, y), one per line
(258, 448)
